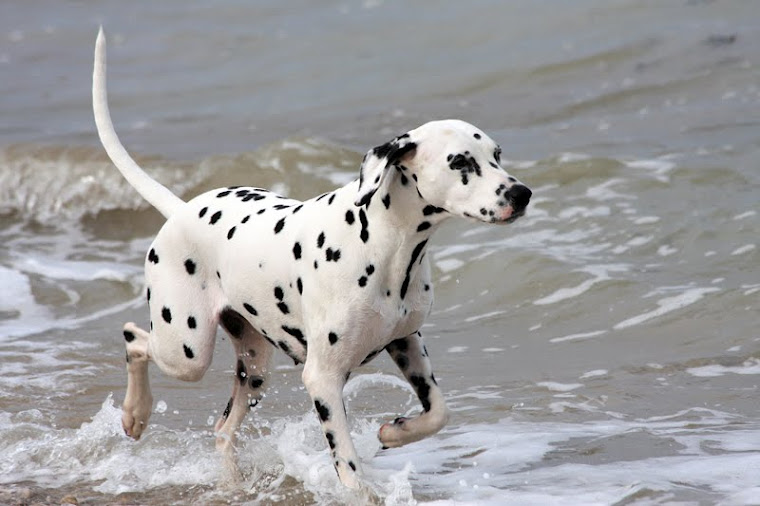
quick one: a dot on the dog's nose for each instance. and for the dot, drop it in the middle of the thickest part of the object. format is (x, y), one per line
(519, 196)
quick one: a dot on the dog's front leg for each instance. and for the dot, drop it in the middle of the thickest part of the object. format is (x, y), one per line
(325, 386)
(410, 355)
(138, 402)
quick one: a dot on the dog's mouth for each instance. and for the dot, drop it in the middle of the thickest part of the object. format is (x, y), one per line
(512, 215)
(515, 214)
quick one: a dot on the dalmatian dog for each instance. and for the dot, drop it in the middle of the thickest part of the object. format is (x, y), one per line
(331, 281)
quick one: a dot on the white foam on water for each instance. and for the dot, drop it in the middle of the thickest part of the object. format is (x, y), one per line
(646, 220)
(603, 192)
(751, 366)
(743, 249)
(667, 305)
(746, 214)
(600, 274)
(509, 461)
(449, 264)
(659, 167)
(596, 373)
(79, 270)
(559, 387)
(577, 337)
(484, 316)
(19, 304)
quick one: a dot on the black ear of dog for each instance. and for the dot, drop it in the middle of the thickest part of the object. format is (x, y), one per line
(376, 163)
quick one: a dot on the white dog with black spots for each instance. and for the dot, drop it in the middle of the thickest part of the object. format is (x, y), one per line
(331, 281)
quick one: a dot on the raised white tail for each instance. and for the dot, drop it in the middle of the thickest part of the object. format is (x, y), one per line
(151, 190)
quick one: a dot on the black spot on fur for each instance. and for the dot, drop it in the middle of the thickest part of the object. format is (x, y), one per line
(232, 322)
(404, 180)
(190, 266)
(203, 212)
(223, 194)
(416, 253)
(230, 233)
(299, 285)
(400, 344)
(352, 465)
(333, 337)
(191, 322)
(332, 256)
(188, 351)
(152, 256)
(295, 333)
(363, 281)
(278, 293)
(227, 409)
(322, 196)
(297, 208)
(283, 308)
(215, 217)
(429, 209)
(297, 251)
(387, 200)
(322, 410)
(330, 200)
(423, 390)
(321, 240)
(166, 314)
(423, 226)
(350, 217)
(147, 294)
(364, 234)
(255, 382)
(279, 225)
(250, 309)
(476, 135)
(129, 336)
(330, 439)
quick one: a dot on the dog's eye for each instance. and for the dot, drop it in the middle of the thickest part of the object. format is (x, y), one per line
(497, 155)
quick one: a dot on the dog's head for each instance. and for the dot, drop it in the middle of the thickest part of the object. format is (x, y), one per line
(455, 166)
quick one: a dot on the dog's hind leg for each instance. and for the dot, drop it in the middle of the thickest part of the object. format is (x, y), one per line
(410, 355)
(138, 402)
(253, 354)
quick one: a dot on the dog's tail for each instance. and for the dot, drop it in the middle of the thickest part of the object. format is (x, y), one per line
(151, 190)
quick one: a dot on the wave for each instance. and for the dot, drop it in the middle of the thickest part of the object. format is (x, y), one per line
(54, 184)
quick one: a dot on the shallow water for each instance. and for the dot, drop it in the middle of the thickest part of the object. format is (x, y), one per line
(604, 349)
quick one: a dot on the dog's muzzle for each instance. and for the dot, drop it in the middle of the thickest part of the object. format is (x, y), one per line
(518, 197)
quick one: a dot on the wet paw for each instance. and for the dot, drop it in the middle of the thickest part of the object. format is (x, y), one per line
(394, 434)
(134, 419)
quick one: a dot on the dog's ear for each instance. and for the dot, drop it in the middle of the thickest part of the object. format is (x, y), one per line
(377, 162)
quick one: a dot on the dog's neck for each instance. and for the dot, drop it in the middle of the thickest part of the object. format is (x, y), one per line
(400, 222)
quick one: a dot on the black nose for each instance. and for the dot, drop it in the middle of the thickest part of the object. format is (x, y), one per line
(519, 196)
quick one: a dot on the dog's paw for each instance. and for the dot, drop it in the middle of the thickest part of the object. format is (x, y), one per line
(395, 433)
(134, 418)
